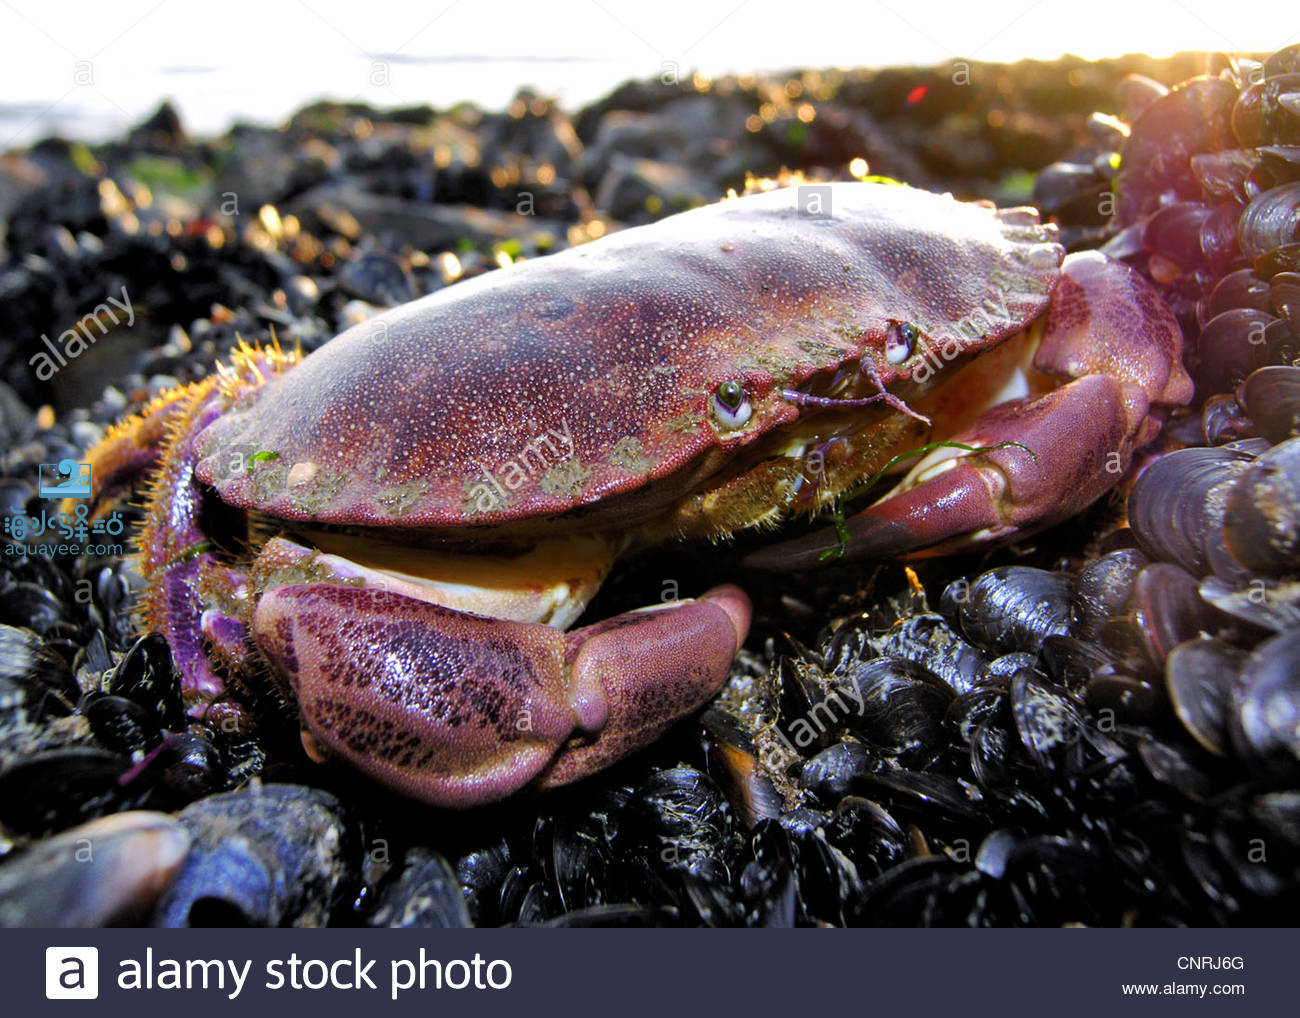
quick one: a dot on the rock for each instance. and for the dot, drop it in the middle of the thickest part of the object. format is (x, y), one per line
(378, 278)
(161, 131)
(422, 226)
(641, 190)
(17, 422)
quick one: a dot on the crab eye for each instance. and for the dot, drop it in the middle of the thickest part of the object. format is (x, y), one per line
(731, 405)
(900, 344)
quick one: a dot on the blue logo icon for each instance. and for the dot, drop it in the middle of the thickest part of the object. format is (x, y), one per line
(65, 479)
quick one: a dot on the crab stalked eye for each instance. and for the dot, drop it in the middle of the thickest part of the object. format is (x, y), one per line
(900, 344)
(731, 404)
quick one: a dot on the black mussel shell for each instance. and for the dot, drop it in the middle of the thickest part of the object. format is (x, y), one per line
(107, 872)
(970, 710)
(1072, 663)
(480, 873)
(992, 753)
(1181, 766)
(1052, 726)
(1223, 175)
(1237, 843)
(1279, 811)
(1270, 221)
(1281, 161)
(1259, 118)
(1070, 190)
(1272, 605)
(1113, 694)
(1281, 259)
(1001, 670)
(1156, 167)
(1136, 92)
(267, 855)
(1102, 589)
(683, 817)
(1217, 241)
(191, 765)
(838, 770)
(1174, 231)
(1284, 297)
(1221, 560)
(899, 708)
(1264, 721)
(56, 788)
(1234, 344)
(1200, 675)
(734, 761)
(1168, 609)
(31, 606)
(1016, 608)
(1166, 508)
(1109, 133)
(926, 891)
(572, 857)
(1261, 521)
(768, 880)
(1283, 61)
(147, 675)
(924, 799)
(1239, 289)
(1249, 447)
(42, 674)
(928, 640)
(1223, 420)
(867, 832)
(120, 724)
(828, 881)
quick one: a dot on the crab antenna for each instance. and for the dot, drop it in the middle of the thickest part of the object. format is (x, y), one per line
(804, 399)
(884, 395)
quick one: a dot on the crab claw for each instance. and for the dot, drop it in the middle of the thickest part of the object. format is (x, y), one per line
(1109, 332)
(458, 710)
(957, 502)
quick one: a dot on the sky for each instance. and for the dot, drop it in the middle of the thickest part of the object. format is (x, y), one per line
(89, 69)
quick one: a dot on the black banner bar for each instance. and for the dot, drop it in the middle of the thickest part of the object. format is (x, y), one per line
(649, 972)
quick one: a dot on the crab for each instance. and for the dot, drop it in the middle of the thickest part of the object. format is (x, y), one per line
(403, 526)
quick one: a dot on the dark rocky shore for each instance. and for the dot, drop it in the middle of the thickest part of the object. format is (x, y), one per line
(305, 229)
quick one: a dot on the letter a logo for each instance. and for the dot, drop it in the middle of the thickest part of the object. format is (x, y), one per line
(71, 973)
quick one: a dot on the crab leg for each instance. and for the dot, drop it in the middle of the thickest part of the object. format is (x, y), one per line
(458, 709)
(174, 551)
(1109, 334)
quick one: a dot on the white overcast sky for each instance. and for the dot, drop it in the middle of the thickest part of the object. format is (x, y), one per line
(260, 59)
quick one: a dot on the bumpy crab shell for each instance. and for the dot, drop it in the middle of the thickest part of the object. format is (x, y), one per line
(618, 347)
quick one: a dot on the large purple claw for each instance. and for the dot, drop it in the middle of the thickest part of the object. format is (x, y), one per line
(458, 709)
